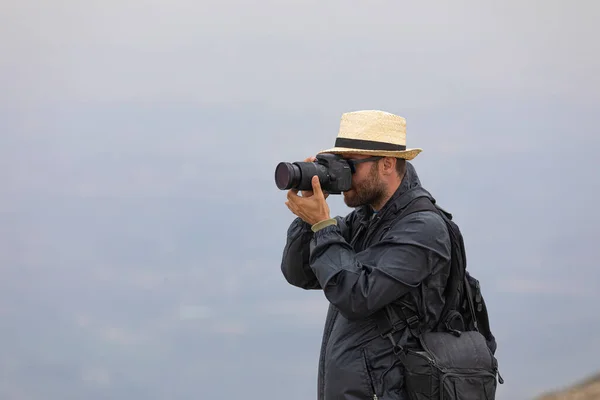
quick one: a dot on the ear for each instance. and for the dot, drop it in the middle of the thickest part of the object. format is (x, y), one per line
(388, 165)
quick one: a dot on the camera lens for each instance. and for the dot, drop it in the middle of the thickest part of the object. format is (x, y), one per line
(287, 175)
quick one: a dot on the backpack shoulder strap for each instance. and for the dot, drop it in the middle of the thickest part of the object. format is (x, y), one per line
(456, 285)
(419, 204)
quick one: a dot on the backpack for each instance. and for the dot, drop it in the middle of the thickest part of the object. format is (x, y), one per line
(455, 360)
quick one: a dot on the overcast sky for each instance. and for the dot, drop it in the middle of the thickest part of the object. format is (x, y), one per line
(140, 227)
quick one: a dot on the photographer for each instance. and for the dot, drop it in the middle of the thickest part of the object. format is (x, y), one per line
(374, 257)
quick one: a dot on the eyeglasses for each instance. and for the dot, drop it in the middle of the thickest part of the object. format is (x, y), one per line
(353, 162)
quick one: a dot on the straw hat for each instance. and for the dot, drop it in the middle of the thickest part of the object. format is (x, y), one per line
(373, 132)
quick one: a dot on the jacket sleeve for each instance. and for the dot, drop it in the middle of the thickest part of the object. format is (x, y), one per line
(296, 253)
(359, 284)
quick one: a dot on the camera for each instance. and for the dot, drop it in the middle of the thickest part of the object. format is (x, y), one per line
(334, 172)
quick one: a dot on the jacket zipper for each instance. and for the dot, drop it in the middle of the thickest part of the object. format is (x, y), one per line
(357, 234)
(370, 231)
(373, 226)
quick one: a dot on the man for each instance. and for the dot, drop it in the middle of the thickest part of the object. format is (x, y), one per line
(369, 259)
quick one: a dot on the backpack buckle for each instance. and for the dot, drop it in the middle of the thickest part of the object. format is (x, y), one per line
(412, 322)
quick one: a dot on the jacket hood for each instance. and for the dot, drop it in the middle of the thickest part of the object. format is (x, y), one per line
(409, 189)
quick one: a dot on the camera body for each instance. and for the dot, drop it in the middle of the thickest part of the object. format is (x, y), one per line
(334, 172)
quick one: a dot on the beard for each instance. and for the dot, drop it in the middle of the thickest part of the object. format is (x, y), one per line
(369, 192)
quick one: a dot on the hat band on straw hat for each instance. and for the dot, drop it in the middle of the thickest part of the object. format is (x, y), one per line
(368, 144)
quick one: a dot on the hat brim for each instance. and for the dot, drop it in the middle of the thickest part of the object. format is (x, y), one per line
(407, 154)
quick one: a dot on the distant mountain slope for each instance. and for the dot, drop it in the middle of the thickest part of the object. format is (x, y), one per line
(588, 389)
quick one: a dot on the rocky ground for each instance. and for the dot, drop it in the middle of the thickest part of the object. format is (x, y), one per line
(585, 390)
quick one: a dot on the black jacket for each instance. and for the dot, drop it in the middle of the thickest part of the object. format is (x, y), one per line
(363, 264)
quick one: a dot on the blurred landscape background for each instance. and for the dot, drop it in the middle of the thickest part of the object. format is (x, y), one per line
(585, 389)
(140, 227)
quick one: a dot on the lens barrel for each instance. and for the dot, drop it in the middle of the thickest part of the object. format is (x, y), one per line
(287, 175)
(298, 175)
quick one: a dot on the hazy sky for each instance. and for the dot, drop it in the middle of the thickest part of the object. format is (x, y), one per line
(140, 227)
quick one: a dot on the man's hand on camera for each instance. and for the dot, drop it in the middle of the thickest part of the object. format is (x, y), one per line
(308, 193)
(311, 206)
